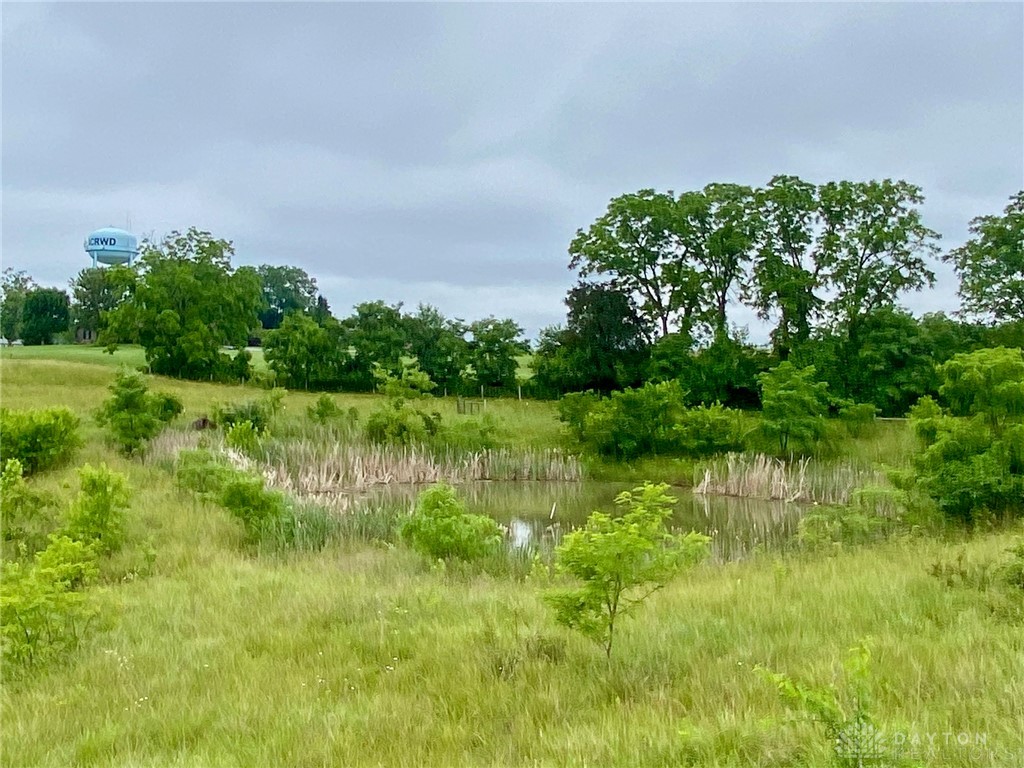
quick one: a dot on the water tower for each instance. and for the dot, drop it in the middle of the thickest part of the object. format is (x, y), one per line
(112, 246)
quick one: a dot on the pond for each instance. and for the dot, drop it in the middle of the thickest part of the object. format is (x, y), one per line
(537, 514)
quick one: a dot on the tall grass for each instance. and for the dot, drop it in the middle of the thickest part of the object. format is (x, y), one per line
(365, 655)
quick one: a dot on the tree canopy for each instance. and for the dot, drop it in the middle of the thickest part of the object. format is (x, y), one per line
(189, 304)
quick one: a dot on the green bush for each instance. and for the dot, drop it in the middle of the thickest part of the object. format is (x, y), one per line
(243, 437)
(793, 408)
(707, 430)
(133, 414)
(971, 460)
(1012, 570)
(325, 411)
(202, 472)
(858, 418)
(97, 514)
(573, 410)
(400, 424)
(440, 527)
(650, 420)
(25, 519)
(259, 412)
(39, 439)
(471, 435)
(42, 611)
(264, 513)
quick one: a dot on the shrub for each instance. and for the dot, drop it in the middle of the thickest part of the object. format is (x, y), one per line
(472, 434)
(621, 561)
(42, 611)
(573, 410)
(650, 420)
(972, 459)
(324, 410)
(259, 412)
(202, 472)
(243, 437)
(844, 714)
(793, 408)
(707, 430)
(263, 513)
(858, 418)
(440, 527)
(134, 415)
(400, 424)
(39, 439)
(1012, 570)
(97, 515)
(24, 518)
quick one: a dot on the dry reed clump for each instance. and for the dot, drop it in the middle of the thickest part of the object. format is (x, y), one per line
(332, 474)
(763, 477)
(166, 446)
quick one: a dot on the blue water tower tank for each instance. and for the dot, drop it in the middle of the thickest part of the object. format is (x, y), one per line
(112, 246)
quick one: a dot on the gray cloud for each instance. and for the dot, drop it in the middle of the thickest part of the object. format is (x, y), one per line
(447, 153)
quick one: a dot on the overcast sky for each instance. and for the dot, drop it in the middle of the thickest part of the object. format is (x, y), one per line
(447, 153)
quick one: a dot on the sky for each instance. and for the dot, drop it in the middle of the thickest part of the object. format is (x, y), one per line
(447, 153)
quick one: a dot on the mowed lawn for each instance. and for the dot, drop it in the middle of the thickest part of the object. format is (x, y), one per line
(206, 653)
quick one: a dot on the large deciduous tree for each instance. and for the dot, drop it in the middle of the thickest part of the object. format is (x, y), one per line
(631, 244)
(439, 346)
(493, 350)
(786, 273)
(604, 346)
(305, 354)
(97, 291)
(45, 314)
(991, 264)
(188, 305)
(14, 286)
(873, 247)
(715, 231)
(285, 289)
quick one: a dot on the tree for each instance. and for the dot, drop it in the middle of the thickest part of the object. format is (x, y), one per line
(13, 289)
(285, 289)
(604, 347)
(133, 414)
(794, 407)
(375, 334)
(46, 313)
(187, 305)
(873, 246)
(892, 368)
(991, 264)
(786, 273)
(439, 346)
(305, 355)
(971, 460)
(621, 561)
(97, 291)
(715, 232)
(493, 351)
(634, 244)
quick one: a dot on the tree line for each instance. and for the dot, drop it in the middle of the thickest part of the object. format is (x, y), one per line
(187, 307)
(825, 265)
(660, 275)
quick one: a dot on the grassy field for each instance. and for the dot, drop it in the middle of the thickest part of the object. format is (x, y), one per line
(213, 655)
(130, 355)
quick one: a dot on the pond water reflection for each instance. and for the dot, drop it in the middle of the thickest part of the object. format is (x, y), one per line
(537, 514)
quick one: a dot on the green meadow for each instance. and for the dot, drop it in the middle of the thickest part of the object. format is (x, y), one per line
(207, 652)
